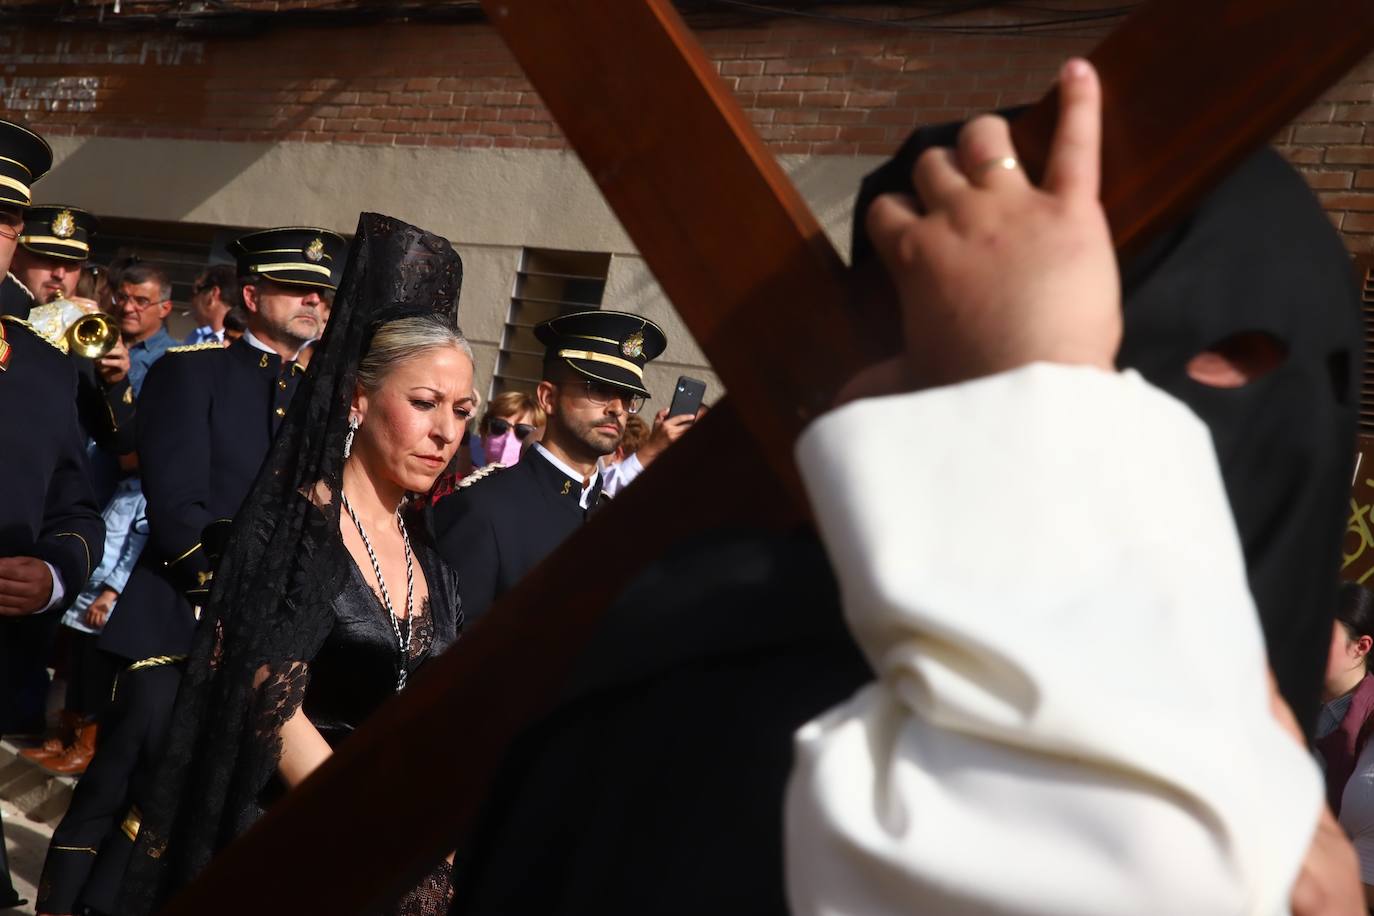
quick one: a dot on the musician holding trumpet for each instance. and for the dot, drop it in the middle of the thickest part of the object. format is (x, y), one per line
(52, 252)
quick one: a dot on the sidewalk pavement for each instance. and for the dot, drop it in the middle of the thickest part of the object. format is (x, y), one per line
(27, 842)
(32, 803)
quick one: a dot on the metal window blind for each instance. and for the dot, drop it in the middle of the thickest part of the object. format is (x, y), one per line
(548, 283)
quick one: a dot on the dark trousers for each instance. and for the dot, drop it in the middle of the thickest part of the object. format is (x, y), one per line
(25, 646)
(90, 674)
(25, 643)
(90, 850)
(6, 884)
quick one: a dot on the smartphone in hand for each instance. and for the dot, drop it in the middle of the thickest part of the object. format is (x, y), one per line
(687, 396)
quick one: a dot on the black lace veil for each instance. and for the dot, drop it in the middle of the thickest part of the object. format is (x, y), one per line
(270, 607)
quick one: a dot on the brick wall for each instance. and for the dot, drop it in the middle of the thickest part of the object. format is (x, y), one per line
(812, 88)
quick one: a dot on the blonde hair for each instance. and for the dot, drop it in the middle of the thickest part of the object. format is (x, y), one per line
(512, 404)
(406, 338)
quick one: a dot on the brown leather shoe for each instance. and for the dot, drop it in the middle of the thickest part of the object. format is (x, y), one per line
(58, 739)
(75, 759)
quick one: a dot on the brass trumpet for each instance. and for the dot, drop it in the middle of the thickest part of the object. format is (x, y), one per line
(74, 330)
(91, 336)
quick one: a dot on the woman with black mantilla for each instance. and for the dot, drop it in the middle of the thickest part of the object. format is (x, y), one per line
(329, 595)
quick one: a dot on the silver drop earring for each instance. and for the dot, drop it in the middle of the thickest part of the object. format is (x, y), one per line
(353, 424)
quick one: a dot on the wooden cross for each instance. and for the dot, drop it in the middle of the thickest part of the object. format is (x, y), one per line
(1190, 88)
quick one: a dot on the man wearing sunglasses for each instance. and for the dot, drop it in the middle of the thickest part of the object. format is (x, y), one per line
(501, 522)
(208, 414)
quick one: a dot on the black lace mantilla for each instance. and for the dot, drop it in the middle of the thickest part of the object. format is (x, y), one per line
(270, 610)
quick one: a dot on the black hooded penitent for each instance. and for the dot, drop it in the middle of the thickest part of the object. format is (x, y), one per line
(1257, 255)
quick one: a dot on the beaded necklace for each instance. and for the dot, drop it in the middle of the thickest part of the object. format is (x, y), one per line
(402, 643)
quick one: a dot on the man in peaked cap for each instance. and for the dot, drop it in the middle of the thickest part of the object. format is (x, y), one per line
(53, 249)
(25, 157)
(52, 252)
(51, 535)
(207, 417)
(497, 526)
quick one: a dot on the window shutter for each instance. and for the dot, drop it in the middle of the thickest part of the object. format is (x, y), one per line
(548, 283)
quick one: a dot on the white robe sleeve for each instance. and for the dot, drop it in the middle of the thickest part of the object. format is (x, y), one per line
(1071, 708)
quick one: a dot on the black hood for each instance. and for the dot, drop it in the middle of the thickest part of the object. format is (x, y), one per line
(1257, 254)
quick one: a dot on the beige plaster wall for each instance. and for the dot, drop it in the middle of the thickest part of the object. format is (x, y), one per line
(490, 203)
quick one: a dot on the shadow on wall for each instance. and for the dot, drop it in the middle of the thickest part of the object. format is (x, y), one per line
(98, 173)
(829, 185)
(116, 89)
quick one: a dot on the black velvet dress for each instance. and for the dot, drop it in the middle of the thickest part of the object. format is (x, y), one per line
(355, 672)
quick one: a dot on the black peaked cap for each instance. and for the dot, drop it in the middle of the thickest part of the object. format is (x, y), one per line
(25, 157)
(610, 347)
(300, 255)
(59, 231)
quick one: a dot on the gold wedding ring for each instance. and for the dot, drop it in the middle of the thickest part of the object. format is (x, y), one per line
(1005, 163)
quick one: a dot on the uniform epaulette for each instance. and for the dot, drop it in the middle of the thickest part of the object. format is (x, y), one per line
(480, 473)
(191, 348)
(15, 319)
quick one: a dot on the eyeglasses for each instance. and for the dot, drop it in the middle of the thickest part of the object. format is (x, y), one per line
(139, 302)
(500, 427)
(600, 394)
(8, 232)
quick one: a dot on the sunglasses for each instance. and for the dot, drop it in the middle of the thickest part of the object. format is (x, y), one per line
(500, 427)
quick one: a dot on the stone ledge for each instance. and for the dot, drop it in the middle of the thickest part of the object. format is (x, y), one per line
(37, 794)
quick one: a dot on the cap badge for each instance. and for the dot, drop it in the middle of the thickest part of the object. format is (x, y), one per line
(633, 347)
(64, 224)
(315, 251)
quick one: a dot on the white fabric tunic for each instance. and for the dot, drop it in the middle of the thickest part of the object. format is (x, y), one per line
(1071, 712)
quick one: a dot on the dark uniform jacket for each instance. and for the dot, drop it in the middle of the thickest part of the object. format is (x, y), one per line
(15, 298)
(207, 417)
(46, 506)
(106, 413)
(655, 784)
(497, 528)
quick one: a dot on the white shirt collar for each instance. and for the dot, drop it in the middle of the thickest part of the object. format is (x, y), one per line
(259, 345)
(574, 474)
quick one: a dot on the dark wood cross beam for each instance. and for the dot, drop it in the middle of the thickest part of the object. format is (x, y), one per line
(1190, 88)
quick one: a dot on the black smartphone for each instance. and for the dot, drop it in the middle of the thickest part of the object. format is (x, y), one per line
(687, 396)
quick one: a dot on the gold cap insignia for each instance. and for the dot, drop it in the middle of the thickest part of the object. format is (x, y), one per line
(315, 251)
(64, 224)
(633, 347)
